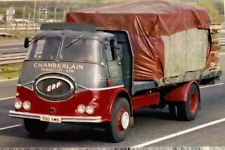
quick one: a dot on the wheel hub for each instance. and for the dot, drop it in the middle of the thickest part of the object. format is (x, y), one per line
(193, 102)
(125, 120)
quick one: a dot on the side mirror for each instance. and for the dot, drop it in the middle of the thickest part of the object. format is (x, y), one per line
(26, 42)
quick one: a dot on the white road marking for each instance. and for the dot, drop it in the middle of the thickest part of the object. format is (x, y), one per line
(6, 98)
(10, 127)
(179, 133)
(207, 86)
(8, 80)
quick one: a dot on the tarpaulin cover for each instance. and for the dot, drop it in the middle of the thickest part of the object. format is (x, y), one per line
(146, 21)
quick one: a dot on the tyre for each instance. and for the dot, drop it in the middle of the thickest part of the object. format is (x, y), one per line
(35, 127)
(173, 109)
(118, 126)
(191, 106)
(187, 110)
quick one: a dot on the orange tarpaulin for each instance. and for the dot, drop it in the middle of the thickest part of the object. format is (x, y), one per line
(146, 21)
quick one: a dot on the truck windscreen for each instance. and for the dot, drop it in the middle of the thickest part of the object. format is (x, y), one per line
(44, 49)
(81, 50)
(71, 49)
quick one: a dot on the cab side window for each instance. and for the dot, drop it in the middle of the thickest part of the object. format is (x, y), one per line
(110, 50)
(112, 46)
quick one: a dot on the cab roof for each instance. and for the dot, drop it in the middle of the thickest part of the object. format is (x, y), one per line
(72, 30)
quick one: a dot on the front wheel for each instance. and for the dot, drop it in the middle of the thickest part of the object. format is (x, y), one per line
(35, 127)
(118, 126)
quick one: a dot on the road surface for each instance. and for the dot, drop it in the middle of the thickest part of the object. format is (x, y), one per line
(12, 46)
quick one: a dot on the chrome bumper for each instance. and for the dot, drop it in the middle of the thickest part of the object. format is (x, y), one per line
(65, 119)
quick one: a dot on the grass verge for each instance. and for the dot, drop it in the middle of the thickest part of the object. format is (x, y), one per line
(10, 70)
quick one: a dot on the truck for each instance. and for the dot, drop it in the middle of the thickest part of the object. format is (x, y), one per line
(99, 67)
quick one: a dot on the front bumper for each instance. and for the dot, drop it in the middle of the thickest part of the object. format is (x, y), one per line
(64, 119)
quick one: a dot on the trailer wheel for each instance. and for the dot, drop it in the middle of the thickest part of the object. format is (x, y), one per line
(35, 127)
(118, 126)
(187, 110)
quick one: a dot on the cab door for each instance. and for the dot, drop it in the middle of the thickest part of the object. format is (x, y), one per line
(114, 63)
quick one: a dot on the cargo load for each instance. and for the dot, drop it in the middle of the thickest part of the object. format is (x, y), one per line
(170, 40)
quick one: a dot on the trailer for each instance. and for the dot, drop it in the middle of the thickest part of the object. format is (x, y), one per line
(98, 68)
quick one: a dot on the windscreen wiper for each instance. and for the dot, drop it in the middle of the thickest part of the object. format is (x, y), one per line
(75, 40)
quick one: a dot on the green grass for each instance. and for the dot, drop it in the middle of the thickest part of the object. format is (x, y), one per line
(10, 71)
(10, 74)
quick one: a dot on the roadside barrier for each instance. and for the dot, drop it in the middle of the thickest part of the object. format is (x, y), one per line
(12, 58)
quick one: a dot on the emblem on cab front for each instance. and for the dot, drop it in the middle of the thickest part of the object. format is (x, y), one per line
(54, 87)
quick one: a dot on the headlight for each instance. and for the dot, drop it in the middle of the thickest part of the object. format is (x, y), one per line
(26, 105)
(81, 108)
(18, 104)
(90, 109)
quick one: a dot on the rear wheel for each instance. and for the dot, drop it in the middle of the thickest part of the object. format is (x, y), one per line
(35, 127)
(173, 109)
(191, 106)
(187, 110)
(118, 126)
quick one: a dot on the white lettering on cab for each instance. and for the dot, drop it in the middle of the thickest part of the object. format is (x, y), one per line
(53, 86)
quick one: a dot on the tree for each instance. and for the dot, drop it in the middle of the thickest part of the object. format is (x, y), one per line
(219, 6)
(213, 11)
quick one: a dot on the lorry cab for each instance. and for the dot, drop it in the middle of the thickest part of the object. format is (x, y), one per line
(72, 73)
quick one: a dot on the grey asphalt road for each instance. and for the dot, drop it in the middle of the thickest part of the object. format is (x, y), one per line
(12, 46)
(8, 88)
(153, 128)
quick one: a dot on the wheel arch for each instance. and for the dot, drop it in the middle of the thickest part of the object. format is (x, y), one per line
(121, 93)
(180, 93)
(186, 90)
(127, 97)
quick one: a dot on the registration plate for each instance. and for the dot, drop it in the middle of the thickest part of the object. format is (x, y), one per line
(50, 119)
